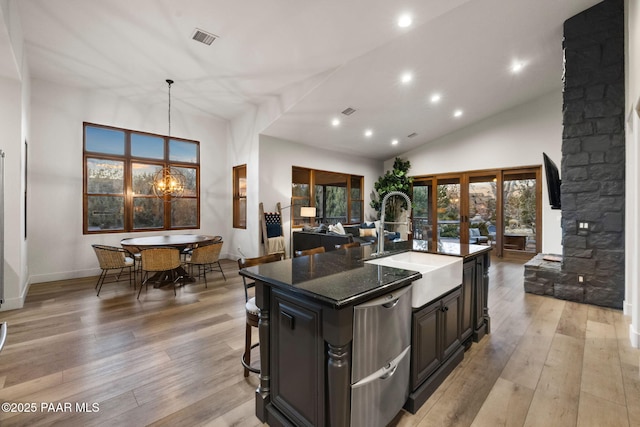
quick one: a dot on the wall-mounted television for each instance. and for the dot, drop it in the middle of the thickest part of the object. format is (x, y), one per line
(553, 181)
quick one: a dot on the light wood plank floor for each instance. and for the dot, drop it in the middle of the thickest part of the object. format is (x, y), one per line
(175, 361)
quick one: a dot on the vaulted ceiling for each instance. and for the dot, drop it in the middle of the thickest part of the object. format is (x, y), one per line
(350, 54)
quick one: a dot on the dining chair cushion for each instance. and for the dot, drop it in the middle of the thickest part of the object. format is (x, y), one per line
(251, 306)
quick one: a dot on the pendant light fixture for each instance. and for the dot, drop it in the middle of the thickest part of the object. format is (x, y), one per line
(168, 182)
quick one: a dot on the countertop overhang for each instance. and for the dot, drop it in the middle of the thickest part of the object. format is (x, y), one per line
(341, 278)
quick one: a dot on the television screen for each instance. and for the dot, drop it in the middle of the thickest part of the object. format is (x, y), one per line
(553, 182)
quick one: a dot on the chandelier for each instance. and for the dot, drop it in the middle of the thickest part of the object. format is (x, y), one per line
(169, 181)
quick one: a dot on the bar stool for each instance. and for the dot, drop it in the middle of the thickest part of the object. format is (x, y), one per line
(253, 312)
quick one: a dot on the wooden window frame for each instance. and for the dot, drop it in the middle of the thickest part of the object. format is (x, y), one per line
(464, 178)
(239, 196)
(311, 200)
(128, 197)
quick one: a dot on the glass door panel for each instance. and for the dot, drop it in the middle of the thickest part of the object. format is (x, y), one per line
(422, 211)
(448, 209)
(520, 210)
(483, 196)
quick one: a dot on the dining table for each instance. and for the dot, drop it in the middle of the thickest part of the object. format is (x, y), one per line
(179, 241)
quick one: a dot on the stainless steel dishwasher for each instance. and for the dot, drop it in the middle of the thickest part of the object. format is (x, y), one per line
(380, 358)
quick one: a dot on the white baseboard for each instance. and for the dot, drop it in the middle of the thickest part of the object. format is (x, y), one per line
(64, 275)
(12, 304)
(634, 337)
(626, 308)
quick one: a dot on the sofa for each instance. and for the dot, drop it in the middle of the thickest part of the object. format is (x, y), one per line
(303, 240)
(310, 238)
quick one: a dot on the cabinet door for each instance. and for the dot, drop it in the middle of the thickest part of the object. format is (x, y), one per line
(297, 361)
(426, 349)
(450, 311)
(479, 299)
(467, 310)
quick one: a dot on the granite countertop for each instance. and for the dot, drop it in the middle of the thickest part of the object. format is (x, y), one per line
(337, 278)
(341, 278)
(449, 248)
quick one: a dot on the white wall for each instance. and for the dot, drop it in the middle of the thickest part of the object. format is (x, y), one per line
(632, 201)
(516, 137)
(244, 148)
(14, 130)
(55, 173)
(277, 156)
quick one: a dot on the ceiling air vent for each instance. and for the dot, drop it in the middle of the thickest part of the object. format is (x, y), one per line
(203, 36)
(411, 135)
(349, 111)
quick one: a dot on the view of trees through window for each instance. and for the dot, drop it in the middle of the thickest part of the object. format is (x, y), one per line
(449, 208)
(120, 167)
(520, 211)
(471, 200)
(337, 197)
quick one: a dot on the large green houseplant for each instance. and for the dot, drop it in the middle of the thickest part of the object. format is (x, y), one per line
(393, 180)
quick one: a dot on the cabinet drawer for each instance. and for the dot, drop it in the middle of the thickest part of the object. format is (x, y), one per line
(376, 399)
(381, 331)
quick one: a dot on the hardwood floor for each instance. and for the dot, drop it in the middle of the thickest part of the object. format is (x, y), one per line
(166, 360)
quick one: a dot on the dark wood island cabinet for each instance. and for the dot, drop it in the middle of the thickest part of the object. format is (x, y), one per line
(306, 332)
(445, 327)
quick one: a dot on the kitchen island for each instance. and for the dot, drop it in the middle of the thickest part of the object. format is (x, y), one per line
(306, 329)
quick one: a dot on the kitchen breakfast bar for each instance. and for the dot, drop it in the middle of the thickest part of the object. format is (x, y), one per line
(350, 337)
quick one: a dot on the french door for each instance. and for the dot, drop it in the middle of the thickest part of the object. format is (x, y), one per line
(499, 208)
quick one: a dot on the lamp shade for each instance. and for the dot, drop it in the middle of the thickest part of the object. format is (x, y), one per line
(308, 212)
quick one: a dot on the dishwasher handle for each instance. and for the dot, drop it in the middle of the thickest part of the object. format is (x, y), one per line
(386, 301)
(383, 373)
(3, 334)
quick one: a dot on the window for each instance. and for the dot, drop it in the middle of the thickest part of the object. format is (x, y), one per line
(500, 208)
(337, 197)
(240, 196)
(119, 169)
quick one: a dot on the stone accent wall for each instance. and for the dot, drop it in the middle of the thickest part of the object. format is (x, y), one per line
(593, 156)
(541, 277)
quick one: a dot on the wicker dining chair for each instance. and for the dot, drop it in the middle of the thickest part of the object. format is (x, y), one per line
(112, 258)
(164, 263)
(253, 312)
(205, 257)
(188, 250)
(134, 253)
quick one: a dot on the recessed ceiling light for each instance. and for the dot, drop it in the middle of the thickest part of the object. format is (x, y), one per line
(394, 142)
(457, 113)
(406, 78)
(368, 133)
(435, 98)
(335, 122)
(517, 66)
(405, 20)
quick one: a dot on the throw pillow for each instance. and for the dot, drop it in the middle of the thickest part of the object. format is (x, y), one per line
(272, 220)
(337, 228)
(367, 232)
(274, 230)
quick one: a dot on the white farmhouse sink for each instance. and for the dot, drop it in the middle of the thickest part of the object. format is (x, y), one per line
(440, 273)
